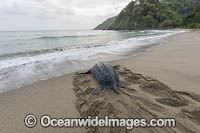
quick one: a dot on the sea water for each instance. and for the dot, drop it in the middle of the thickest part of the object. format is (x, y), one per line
(30, 56)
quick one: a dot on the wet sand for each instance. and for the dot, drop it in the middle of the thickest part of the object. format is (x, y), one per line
(176, 64)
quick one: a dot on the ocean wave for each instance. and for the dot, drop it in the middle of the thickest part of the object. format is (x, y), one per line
(31, 66)
(84, 52)
(62, 37)
(46, 51)
(30, 53)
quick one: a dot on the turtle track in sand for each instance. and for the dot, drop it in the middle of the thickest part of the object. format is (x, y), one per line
(146, 98)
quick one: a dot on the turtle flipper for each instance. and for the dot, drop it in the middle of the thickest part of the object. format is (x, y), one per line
(115, 89)
(123, 84)
(84, 72)
(97, 91)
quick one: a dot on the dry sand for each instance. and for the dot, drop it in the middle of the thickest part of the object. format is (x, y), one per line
(176, 64)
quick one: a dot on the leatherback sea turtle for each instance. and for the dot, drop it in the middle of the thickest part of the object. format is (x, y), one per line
(106, 76)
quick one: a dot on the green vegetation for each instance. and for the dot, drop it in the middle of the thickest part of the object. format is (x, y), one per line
(154, 14)
(106, 24)
(192, 20)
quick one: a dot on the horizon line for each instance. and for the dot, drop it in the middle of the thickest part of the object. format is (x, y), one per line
(47, 30)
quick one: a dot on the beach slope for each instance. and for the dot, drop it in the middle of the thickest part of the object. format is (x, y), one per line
(176, 64)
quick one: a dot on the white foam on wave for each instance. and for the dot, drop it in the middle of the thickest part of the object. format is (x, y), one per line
(21, 71)
(112, 47)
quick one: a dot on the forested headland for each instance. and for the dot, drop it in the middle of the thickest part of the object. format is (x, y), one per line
(155, 14)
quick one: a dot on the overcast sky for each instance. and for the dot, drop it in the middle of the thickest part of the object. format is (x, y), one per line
(56, 14)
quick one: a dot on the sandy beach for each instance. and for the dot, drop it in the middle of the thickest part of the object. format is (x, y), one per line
(176, 64)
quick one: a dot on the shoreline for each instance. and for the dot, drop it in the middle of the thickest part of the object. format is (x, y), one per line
(182, 61)
(175, 63)
(29, 72)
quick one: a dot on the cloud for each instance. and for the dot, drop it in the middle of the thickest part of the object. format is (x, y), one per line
(56, 14)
